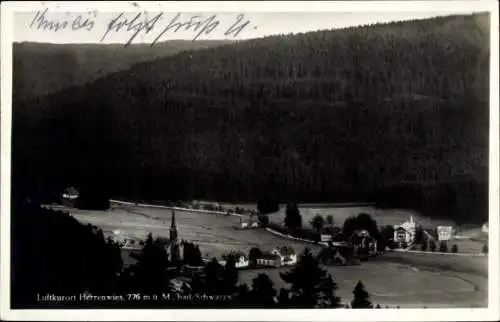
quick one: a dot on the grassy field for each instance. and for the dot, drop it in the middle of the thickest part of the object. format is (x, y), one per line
(474, 265)
(408, 280)
(340, 213)
(466, 245)
(400, 284)
(216, 234)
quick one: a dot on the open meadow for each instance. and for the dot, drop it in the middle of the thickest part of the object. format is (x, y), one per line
(404, 279)
(215, 234)
(341, 212)
(409, 286)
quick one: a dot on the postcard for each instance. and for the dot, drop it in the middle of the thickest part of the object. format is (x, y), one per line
(250, 161)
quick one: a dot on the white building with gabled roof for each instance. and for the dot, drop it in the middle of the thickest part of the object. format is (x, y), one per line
(405, 232)
(287, 255)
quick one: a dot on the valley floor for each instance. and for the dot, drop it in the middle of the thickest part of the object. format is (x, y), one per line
(404, 279)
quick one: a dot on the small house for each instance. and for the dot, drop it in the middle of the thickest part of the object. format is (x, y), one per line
(269, 259)
(326, 237)
(69, 197)
(405, 232)
(241, 260)
(191, 271)
(287, 255)
(444, 232)
(401, 235)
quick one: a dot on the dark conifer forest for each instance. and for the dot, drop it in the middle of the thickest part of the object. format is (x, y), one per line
(397, 113)
(43, 68)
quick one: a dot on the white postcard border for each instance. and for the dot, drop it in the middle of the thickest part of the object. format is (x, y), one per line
(491, 313)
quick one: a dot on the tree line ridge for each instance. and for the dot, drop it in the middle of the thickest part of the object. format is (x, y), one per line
(339, 114)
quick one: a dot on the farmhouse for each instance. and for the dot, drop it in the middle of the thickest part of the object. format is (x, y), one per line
(405, 232)
(331, 254)
(269, 259)
(240, 258)
(287, 255)
(326, 237)
(444, 232)
(401, 235)
(251, 223)
(70, 197)
(191, 271)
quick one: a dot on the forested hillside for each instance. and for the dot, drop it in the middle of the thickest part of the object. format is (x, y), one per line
(43, 68)
(323, 116)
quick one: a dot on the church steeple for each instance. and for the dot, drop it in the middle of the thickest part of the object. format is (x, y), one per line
(174, 242)
(173, 228)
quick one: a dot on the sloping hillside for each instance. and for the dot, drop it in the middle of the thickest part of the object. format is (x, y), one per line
(42, 68)
(327, 115)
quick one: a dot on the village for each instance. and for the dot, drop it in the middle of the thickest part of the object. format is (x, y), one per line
(336, 250)
(337, 247)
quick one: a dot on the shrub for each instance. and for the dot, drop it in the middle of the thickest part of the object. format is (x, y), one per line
(317, 222)
(485, 249)
(443, 247)
(454, 249)
(432, 246)
(263, 220)
(267, 205)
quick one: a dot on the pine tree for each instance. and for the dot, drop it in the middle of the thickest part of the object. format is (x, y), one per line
(317, 222)
(350, 225)
(329, 220)
(293, 219)
(230, 275)
(213, 277)
(361, 297)
(151, 275)
(284, 298)
(311, 286)
(242, 297)
(262, 293)
(253, 255)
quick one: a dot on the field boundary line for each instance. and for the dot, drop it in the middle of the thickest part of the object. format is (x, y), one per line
(272, 231)
(173, 208)
(439, 253)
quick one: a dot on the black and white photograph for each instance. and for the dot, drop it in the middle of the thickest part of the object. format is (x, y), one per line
(270, 158)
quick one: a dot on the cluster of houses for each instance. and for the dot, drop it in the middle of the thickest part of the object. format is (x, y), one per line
(251, 222)
(214, 206)
(278, 257)
(405, 233)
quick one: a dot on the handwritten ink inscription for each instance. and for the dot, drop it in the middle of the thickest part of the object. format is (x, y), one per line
(41, 21)
(158, 25)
